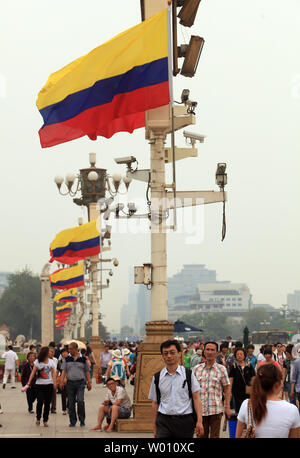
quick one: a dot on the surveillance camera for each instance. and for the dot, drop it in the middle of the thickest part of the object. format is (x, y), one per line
(125, 160)
(193, 136)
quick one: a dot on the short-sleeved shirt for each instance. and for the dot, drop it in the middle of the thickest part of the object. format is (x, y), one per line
(44, 372)
(174, 393)
(288, 364)
(75, 368)
(252, 360)
(187, 360)
(120, 393)
(10, 359)
(280, 418)
(105, 357)
(212, 382)
(295, 375)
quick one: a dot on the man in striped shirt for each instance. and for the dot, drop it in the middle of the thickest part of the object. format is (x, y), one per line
(213, 380)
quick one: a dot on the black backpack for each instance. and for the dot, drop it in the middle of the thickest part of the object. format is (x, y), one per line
(188, 374)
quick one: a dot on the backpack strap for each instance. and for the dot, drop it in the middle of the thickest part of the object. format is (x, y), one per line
(156, 382)
(188, 374)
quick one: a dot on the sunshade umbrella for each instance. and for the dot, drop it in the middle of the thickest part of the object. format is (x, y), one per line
(180, 326)
(80, 344)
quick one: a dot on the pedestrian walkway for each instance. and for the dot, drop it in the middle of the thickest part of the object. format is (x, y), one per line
(19, 423)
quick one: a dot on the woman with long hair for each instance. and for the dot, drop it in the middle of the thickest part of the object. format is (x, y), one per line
(44, 367)
(272, 416)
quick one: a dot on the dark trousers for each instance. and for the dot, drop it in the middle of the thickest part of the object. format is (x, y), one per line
(31, 397)
(64, 399)
(53, 401)
(44, 395)
(171, 426)
(75, 392)
(211, 425)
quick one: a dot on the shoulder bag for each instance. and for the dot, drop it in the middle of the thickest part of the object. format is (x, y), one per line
(247, 387)
(249, 433)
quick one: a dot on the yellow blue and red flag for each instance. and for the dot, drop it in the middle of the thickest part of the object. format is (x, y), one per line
(67, 278)
(68, 295)
(109, 89)
(64, 307)
(76, 243)
(62, 313)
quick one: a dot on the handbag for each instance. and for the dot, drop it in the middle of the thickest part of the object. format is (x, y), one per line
(249, 433)
(247, 387)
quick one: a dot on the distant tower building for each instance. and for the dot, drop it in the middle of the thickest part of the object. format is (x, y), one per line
(143, 306)
(185, 282)
(293, 301)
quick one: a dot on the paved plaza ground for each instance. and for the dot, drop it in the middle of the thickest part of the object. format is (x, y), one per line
(19, 423)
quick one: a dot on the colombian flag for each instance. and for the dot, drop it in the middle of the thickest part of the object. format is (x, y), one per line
(64, 307)
(76, 243)
(67, 278)
(109, 89)
(66, 296)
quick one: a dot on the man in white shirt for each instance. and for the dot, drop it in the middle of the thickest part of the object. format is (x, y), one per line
(173, 391)
(116, 405)
(11, 359)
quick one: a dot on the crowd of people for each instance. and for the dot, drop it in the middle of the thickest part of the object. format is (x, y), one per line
(260, 392)
(68, 371)
(201, 384)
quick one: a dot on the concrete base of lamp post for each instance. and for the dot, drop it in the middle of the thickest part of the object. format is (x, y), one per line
(97, 347)
(149, 361)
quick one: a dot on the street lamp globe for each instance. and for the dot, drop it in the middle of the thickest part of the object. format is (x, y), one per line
(117, 177)
(127, 181)
(59, 181)
(93, 176)
(70, 178)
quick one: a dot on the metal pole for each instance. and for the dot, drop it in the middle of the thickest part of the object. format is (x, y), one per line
(94, 214)
(159, 304)
(82, 308)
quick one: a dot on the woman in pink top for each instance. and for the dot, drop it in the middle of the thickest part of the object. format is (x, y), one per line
(268, 358)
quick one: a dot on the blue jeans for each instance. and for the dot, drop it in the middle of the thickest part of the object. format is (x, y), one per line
(75, 392)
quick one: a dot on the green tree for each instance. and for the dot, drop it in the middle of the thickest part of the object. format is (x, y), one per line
(20, 304)
(214, 325)
(254, 317)
(103, 332)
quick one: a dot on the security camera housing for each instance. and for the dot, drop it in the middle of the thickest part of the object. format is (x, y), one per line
(125, 160)
(193, 136)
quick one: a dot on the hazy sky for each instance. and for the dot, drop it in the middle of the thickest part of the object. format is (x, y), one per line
(248, 91)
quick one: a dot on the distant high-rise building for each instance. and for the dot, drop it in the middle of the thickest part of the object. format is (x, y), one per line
(186, 281)
(293, 301)
(143, 307)
(196, 289)
(129, 311)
